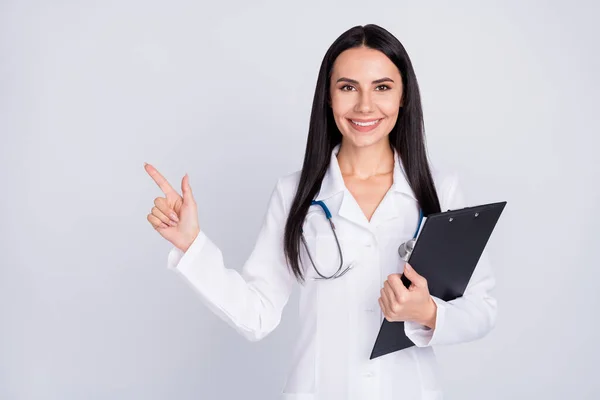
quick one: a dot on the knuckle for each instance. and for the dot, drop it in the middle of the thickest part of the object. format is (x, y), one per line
(152, 219)
(160, 214)
(395, 308)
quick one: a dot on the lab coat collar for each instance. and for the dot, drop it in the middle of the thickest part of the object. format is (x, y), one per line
(333, 182)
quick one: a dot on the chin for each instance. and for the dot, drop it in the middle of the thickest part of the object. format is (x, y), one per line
(363, 141)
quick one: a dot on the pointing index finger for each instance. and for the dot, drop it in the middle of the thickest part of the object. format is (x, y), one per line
(160, 180)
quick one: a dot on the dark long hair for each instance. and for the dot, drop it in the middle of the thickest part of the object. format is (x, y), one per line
(407, 136)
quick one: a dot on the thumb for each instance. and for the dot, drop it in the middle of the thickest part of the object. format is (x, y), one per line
(186, 190)
(413, 276)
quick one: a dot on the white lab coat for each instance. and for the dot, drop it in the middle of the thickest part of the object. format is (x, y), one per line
(340, 318)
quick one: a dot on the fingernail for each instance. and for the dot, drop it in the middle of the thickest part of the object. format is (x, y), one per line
(407, 266)
(174, 217)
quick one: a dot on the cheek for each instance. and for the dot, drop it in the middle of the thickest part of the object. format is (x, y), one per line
(341, 105)
(389, 106)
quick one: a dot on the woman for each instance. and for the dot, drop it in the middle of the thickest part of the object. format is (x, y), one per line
(366, 161)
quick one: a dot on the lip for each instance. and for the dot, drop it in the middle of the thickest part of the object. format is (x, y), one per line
(364, 128)
(363, 120)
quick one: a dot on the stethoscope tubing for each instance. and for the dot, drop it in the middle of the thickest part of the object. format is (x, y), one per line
(404, 249)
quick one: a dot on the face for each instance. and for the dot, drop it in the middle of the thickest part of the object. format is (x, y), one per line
(366, 92)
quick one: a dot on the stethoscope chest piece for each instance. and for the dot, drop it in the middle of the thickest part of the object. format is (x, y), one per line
(406, 248)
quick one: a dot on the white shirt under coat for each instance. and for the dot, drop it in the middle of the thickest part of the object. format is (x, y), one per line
(340, 318)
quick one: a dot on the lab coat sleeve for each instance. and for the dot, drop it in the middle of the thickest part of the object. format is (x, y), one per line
(251, 301)
(469, 317)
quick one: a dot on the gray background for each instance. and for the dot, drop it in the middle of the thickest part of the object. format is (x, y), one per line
(222, 90)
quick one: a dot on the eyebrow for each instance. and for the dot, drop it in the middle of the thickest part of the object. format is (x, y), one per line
(386, 79)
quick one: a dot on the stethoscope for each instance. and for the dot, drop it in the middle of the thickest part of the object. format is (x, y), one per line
(404, 250)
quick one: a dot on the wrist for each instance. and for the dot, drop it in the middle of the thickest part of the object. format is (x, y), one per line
(430, 316)
(189, 242)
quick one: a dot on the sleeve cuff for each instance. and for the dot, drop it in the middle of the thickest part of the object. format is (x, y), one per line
(422, 335)
(175, 255)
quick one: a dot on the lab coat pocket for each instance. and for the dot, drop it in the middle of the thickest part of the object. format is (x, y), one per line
(331, 255)
(324, 256)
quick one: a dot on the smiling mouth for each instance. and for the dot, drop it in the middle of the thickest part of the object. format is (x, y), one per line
(365, 123)
(364, 126)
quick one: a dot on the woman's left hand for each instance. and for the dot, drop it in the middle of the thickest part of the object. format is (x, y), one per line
(414, 303)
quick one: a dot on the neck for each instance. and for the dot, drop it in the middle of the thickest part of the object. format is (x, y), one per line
(365, 162)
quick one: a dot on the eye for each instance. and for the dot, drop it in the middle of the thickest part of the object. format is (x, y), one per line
(383, 86)
(343, 88)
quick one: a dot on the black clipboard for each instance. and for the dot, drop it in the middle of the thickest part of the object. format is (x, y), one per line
(446, 253)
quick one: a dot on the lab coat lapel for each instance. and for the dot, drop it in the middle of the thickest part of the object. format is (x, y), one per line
(350, 210)
(333, 184)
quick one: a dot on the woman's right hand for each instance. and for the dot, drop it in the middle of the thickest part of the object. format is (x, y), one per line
(174, 217)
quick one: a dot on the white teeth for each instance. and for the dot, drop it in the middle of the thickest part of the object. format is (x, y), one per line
(365, 123)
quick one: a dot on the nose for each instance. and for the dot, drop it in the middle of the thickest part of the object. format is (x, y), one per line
(365, 102)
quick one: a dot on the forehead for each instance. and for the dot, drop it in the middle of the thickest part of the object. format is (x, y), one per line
(364, 63)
